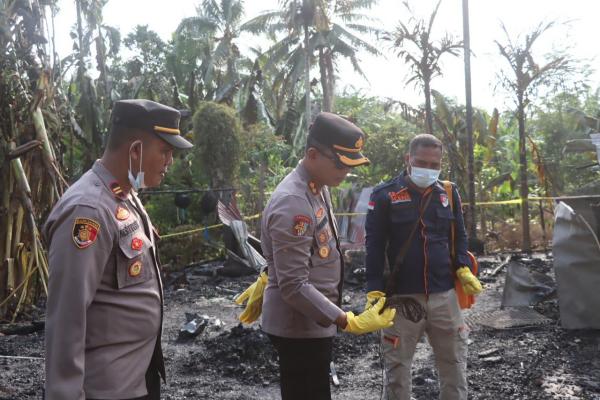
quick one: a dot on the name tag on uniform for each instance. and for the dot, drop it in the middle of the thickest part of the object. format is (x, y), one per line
(401, 196)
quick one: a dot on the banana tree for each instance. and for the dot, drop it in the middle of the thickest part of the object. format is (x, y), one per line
(30, 125)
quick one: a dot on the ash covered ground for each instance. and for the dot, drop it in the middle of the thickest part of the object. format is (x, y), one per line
(228, 361)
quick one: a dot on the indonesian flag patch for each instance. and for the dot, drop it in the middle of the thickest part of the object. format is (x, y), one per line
(85, 232)
(444, 199)
(371, 205)
(301, 224)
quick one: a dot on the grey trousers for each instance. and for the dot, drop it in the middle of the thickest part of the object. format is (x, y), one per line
(447, 335)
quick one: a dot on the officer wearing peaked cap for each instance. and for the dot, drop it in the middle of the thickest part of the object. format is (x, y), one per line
(301, 308)
(104, 309)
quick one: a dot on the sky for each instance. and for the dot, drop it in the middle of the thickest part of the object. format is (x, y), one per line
(386, 76)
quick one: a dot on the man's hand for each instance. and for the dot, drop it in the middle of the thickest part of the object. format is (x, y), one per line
(470, 283)
(254, 295)
(370, 320)
(372, 298)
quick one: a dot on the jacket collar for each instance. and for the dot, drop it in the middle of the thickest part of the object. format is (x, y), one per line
(108, 180)
(311, 187)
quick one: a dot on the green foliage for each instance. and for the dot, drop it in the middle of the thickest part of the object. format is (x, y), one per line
(217, 138)
(552, 125)
(263, 165)
(387, 133)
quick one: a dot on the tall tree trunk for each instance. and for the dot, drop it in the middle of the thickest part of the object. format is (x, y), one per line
(428, 113)
(324, 81)
(472, 223)
(524, 188)
(331, 78)
(307, 116)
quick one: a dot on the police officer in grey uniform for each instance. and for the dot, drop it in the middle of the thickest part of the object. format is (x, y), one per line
(301, 306)
(104, 310)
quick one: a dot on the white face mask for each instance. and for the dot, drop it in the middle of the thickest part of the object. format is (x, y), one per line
(423, 177)
(137, 182)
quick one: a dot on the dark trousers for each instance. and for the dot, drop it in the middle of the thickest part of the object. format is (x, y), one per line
(304, 367)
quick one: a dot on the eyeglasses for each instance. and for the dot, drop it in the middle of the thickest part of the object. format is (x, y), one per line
(335, 159)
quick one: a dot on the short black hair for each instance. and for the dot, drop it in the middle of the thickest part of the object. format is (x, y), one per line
(424, 140)
(119, 135)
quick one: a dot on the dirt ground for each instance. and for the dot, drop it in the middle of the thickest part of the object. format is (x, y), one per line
(228, 361)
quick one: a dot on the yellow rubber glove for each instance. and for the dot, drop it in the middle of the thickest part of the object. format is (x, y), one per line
(370, 320)
(254, 295)
(470, 283)
(372, 297)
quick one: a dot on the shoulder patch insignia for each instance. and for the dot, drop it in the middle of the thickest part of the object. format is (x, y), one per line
(401, 196)
(301, 224)
(371, 205)
(85, 232)
(122, 213)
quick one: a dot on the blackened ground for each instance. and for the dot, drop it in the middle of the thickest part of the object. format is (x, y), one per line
(228, 361)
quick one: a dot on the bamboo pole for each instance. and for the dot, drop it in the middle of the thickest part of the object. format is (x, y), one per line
(47, 152)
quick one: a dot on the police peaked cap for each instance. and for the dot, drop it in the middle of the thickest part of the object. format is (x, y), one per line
(345, 139)
(150, 116)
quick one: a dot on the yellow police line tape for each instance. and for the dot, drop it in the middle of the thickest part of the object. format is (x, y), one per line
(349, 214)
(196, 230)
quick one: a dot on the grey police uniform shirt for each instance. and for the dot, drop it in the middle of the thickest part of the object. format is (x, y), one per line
(104, 306)
(299, 241)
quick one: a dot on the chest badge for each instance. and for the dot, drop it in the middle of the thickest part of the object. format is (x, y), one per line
(137, 244)
(85, 232)
(135, 269)
(323, 237)
(122, 213)
(401, 196)
(324, 252)
(301, 224)
(320, 212)
(444, 199)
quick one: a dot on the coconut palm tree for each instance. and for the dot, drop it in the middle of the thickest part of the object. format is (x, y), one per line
(414, 44)
(307, 32)
(205, 52)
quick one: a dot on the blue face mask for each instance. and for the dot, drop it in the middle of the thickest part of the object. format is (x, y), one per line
(136, 182)
(423, 177)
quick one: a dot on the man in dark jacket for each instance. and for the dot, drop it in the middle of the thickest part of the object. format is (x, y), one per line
(427, 274)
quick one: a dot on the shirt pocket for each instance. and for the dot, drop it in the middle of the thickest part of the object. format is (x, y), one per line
(402, 215)
(444, 219)
(134, 262)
